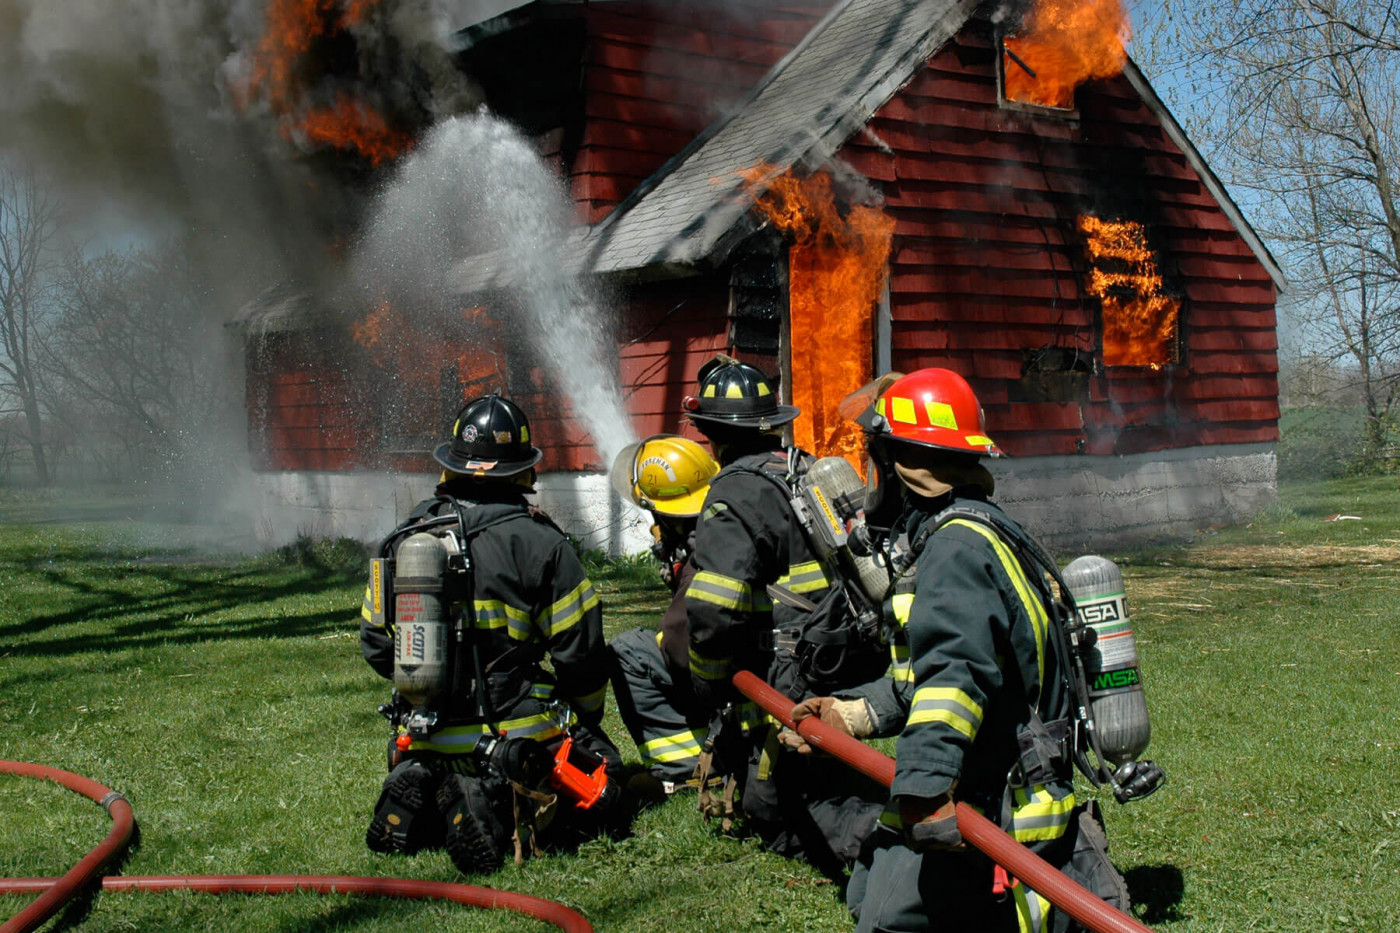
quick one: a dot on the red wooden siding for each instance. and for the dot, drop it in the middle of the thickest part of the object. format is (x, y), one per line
(656, 74)
(306, 411)
(988, 262)
(670, 329)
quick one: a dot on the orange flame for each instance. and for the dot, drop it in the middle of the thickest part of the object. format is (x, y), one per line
(280, 76)
(1139, 319)
(352, 125)
(1065, 43)
(837, 264)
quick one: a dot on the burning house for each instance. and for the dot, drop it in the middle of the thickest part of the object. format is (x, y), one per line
(830, 191)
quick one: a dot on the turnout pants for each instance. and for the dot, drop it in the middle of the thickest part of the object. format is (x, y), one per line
(812, 807)
(652, 707)
(896, 890)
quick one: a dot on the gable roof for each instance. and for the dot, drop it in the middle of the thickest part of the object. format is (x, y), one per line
(818, 96)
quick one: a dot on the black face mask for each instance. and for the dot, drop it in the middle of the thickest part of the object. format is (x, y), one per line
(884, 494)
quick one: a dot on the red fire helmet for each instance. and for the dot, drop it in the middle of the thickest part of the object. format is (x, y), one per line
(935, 408)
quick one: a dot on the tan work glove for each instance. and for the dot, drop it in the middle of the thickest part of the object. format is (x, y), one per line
(931, 824)
(849, 716)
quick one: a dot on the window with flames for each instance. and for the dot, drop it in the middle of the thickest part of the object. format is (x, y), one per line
(1141, 319)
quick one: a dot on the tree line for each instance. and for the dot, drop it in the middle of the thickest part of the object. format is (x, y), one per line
(110, 362)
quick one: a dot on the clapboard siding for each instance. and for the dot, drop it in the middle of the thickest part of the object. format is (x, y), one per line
(988, 264)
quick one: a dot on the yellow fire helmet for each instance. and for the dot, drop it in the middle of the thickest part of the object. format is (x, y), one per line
(664, 473)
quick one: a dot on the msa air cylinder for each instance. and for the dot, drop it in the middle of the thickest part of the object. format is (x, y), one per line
(420, 631)
(1110, 659)
(834, 495)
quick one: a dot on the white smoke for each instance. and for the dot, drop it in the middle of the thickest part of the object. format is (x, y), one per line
(475, 185)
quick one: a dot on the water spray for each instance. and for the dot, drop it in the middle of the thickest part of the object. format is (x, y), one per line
(476, 187)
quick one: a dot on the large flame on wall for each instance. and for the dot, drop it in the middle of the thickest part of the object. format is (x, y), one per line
(283, 74)
(1139, 318)
(1060, 45)
(837, 264)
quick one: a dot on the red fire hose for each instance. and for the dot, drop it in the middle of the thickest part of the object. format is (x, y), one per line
(58, 891)
(979, 831)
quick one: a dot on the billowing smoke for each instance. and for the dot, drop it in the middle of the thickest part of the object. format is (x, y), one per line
(476, 186)
(157, 117)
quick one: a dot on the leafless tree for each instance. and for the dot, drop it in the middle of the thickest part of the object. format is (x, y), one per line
(28, 230)
(130, 357)
(1299, 109)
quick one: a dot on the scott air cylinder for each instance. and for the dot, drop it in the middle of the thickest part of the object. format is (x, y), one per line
(420, 631)
(834, 496)
(1110, 659)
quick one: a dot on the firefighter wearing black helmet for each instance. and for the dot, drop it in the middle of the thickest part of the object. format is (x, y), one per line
(528, 599)
(749, 539)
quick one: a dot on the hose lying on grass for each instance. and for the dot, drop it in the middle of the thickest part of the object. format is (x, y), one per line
(56, 892)
(976, 829)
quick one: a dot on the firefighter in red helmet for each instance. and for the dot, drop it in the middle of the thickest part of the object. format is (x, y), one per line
(749, 543)
(472, 748)
(990, 717)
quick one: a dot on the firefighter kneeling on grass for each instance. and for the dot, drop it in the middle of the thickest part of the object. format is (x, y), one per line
(466, 599)
(668, 476)
(992, 693)
(763, 599)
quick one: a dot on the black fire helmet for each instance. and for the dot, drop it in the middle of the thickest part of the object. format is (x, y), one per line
(737, 395)
(490, 438)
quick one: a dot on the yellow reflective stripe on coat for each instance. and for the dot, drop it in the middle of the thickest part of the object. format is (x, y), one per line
(591, 702)
(668, 749)
(806, 577)
(567, 610)
(722, 591)
(901, 671)
(493, 614)
(458, 740)
(708, 668)
(902, 603)
(1032, 910)
(947, 705)
(1030, 599)
(1037, 815)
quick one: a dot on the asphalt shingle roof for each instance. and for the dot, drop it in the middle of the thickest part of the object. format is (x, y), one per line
(816, 97)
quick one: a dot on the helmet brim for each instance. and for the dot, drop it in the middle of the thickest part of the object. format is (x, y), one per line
(443, 455)
(687, 506)
(782, 415)
(989, 450)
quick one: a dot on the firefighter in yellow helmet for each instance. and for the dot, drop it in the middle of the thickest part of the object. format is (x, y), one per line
(668, 476)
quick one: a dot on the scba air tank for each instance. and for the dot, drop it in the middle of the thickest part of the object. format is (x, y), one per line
(420, 631)
(835, 499)
(1111, 660)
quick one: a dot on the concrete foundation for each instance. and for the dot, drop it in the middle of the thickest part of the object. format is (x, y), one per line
(1094, 503)
(1072, 503)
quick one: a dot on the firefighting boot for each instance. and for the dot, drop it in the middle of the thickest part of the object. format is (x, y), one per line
(405, 818)
(478, 822)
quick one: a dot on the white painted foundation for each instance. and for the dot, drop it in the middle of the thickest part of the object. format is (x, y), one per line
(1080, 503)
(367, 506)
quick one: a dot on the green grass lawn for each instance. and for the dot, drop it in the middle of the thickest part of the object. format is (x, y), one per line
(227, 699)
